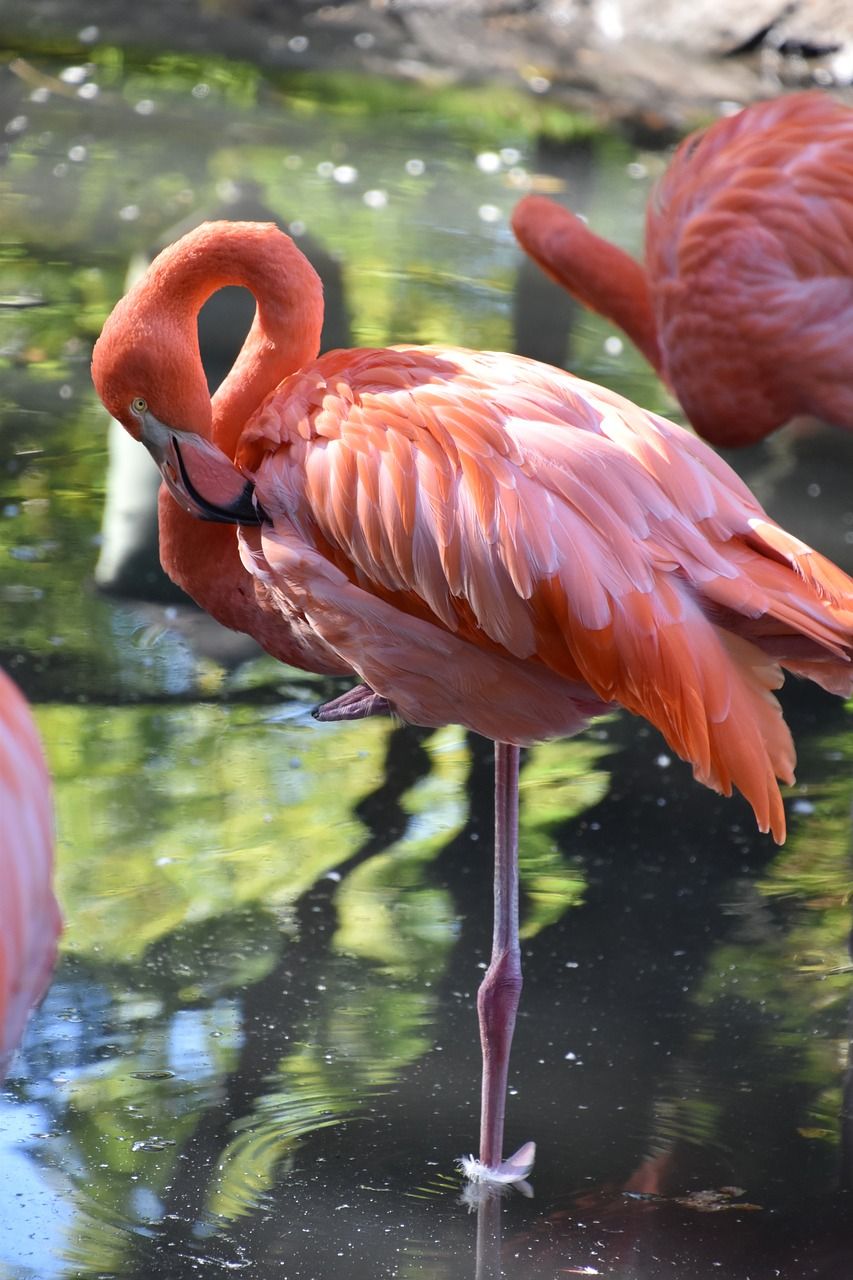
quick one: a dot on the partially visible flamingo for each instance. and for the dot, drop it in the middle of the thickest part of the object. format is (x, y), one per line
(484, 540)
(29, 915)
(745, 303)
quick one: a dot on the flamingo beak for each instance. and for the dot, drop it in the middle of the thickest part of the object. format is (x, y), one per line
(200, 477)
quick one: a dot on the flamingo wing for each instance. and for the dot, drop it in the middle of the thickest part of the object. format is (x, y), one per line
(490, 542)
(29, 915)
(749, 247)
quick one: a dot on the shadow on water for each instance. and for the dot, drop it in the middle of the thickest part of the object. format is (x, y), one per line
(260, 1053)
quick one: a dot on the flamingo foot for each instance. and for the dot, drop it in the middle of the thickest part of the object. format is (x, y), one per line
(509, 1172)
(356, 704)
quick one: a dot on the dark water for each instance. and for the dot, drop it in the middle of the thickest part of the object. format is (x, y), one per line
(259, 1053)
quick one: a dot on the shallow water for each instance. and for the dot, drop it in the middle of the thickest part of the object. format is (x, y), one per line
(260, 1049)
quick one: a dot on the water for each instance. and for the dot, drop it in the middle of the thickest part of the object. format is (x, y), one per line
(259, 1053)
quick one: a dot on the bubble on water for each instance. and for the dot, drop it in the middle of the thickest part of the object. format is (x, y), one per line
(41, 94)
(539, 84)
(488, 162)
(489, 213)
(364, 40)
(228, 190)
(129, 212)
(345, 174)
(17, 124)
(153, 1144)
(415, 167)
(326, 168)
(73, 75)
(297, 44)
(636, 170)
(292, 162)
(200, 90)
(296, 227)
(375, 198)
(614, 346)
(145, 107)
(88, 91)
(88, 35)
(77, 154)
(728, 108)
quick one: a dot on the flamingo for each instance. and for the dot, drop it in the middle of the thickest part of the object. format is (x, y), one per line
(482, 539)
(29, 915)
(745, 303)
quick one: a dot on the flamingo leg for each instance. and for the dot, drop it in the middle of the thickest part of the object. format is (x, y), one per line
(500, 990)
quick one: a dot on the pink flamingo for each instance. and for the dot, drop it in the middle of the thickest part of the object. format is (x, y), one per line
(29, 915)
(484, 540)
(745, 303)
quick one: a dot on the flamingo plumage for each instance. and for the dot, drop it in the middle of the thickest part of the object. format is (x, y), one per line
(29, 914)
(482, 539)
(744, 304)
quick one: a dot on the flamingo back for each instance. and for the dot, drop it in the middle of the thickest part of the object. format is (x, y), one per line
(749, 251)
(29, 914)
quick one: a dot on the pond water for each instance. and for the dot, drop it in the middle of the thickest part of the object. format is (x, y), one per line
(259, 1052)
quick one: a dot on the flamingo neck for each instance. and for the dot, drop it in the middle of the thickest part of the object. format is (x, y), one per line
(188, 548)
(599, 274)
(204, 560)
(285, 332)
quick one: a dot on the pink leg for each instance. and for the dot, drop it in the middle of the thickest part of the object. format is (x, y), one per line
(500, 990)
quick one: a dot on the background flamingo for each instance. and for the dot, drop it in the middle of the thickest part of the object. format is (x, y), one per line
(29, 915)
(745, 303)
(484, 540)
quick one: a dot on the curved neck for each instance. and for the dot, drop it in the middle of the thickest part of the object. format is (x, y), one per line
(599, 274)
(285, 332)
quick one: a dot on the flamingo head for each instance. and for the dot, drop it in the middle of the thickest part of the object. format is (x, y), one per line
(147, 372)
(148, 354)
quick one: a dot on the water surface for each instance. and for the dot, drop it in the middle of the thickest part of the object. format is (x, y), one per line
(260, 1050)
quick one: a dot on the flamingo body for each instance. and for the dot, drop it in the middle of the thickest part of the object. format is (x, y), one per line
(29, 915)
(487, 541)
(484, 540)
(745, 302)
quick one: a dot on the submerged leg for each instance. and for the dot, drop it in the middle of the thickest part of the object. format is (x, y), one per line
(500, 990)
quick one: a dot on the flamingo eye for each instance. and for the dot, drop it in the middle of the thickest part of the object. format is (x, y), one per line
(138, 405)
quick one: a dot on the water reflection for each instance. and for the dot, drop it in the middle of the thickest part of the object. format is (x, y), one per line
(259, 1052)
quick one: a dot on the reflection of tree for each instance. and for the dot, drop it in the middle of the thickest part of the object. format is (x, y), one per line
(277, 1003)
(717, 1018)
(341, 1052)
